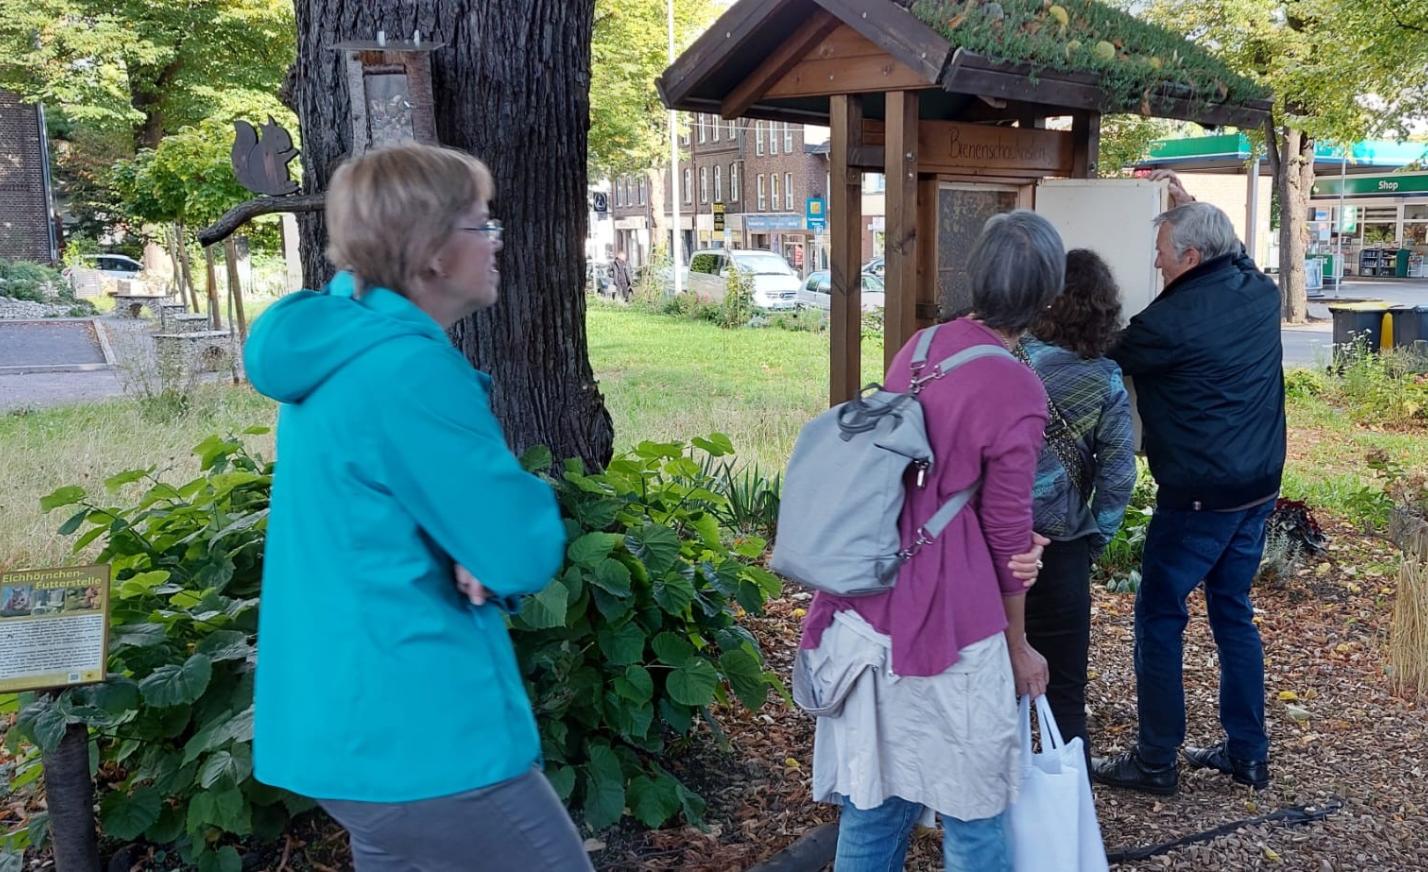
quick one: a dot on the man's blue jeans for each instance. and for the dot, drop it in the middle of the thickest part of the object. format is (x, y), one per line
(875, 840)
(1183, 548)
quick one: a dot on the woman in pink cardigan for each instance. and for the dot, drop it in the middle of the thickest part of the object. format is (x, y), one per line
(932, 668)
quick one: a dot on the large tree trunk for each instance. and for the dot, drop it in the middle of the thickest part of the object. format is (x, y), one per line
(69, 796)
(512, 86)
(1292, 159)
(181, 240)
(659, 222)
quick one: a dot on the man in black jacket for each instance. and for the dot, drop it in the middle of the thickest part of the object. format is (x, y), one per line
(1207, 368)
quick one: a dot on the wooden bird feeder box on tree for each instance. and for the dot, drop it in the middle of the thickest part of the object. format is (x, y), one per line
(389, 85)
(969, 109)
(389, 88)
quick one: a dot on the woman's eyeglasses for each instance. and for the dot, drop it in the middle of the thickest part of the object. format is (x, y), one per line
(491, 230)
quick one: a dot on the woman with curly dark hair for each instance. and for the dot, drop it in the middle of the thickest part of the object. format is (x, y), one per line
(1084, 476)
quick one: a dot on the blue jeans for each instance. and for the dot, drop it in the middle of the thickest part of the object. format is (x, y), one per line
(1183, 548)
(875, 840)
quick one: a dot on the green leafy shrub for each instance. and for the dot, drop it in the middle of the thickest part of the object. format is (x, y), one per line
(636, 639)
(22, 280)
(174, 721)
(872, 327)
(737, 307)
(639, 634)
(1385, 390)
(1304, 384)
(1119, 564)
(801, 321)
(753, 498)
(687, 305)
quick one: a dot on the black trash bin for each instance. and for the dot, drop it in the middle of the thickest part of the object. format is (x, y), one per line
(1358, 326)
(1410, 327)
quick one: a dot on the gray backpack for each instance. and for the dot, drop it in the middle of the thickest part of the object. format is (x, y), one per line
(843, 493)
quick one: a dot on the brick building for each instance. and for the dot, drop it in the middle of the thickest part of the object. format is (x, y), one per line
(27, 231)
(763, 172)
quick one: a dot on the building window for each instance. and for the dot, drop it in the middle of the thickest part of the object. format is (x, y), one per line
(773, 186)
(683, 130)
(763, 204)
(758, 137)
(718, 184)
(703, 184)
(773, 137)
(788, 138)
(642, 191)
(734, 182)
(703, 133)
(714, 123)
(874, 183)
(688, 187)
(730, 125)
(787, 192)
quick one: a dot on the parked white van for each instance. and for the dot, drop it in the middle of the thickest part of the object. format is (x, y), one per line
(775, 282)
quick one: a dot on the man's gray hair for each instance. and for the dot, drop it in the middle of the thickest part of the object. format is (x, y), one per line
(1016, 268)
(1201, 226)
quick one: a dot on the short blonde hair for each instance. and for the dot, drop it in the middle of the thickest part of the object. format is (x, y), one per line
(389, 211)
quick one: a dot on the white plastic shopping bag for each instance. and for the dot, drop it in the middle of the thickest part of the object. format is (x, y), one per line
(1053, 825)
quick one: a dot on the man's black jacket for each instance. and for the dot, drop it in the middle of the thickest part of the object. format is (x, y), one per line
(1208, 373)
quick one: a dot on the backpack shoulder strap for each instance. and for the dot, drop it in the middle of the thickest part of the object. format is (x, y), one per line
(924, 345)
(961, 358)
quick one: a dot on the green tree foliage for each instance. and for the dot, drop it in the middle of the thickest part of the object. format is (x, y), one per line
(629, 127)
(143, 67)
(1341, 70)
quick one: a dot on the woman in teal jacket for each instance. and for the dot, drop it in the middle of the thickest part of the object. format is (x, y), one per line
(402, 531)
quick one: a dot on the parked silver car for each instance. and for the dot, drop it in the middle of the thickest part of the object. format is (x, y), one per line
(816, 292)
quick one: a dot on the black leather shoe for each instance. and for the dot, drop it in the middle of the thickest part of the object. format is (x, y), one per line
(1251, 773)
(1129, 771)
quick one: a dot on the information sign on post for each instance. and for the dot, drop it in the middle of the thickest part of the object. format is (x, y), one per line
(718, 217)
(815, 216)
(54, 627)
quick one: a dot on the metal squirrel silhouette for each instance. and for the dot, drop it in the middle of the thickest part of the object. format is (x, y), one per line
(261, 165)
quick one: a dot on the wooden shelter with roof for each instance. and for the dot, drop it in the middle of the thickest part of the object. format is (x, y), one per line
(950, 99)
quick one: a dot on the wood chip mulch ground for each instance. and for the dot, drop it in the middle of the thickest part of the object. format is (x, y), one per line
(1338, 732)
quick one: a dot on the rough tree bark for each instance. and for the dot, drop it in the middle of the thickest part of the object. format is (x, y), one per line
(512, 86)
(1291, 157)
(181, 239)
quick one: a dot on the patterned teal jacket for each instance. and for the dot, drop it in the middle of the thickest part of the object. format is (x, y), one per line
(1093, 399)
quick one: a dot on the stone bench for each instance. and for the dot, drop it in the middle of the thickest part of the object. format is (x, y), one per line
(192, 352)
(169, 310)
(188, 323)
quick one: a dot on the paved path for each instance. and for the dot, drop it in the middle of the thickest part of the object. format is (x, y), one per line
(41, 390)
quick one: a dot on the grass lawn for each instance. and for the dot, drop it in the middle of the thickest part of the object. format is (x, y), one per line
(664, 378)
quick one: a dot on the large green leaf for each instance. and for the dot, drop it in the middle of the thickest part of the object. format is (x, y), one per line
(177, 685)
(656, 545)
(622, 645)
(130, 476)
(221, 645)
(235, 765)
(672, 650)
(73, 523)
(638, 684)
(168, 827)
(44, 722)
(611, 576)
(65, 496)
(716, 445)
(693, 683)
(674, 593)
(127, 815)
(592, 548)
(604, 788)
(547, 609)
(746, 676)
(225, 859)
(142, 584)
(612, 608)
(225, 809)
(653, 800)
(562, 778)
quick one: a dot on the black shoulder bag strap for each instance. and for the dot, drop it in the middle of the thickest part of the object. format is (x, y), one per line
(1060, 438)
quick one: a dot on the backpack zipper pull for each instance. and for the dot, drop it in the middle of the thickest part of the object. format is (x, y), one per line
(922, 467)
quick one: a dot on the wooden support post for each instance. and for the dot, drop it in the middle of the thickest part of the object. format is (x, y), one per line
(900, 312)
(845, 220)
(928, 292)
(1086, 131)
(235, 286)
(215, 312)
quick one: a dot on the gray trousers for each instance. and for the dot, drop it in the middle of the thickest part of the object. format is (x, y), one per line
(517, 825)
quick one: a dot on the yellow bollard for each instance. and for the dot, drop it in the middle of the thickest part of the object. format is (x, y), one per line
(1385, 337)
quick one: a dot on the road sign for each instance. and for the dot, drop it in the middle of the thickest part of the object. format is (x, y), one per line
(602, 201)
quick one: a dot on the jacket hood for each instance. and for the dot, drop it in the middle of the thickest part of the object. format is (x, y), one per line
(305, 338)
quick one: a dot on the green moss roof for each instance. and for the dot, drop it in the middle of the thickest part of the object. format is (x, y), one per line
(1134, 59)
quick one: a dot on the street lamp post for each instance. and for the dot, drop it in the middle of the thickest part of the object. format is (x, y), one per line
(676, 255)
